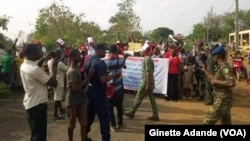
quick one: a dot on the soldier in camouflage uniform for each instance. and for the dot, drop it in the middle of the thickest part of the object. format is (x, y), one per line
(210, 65)
(146, 88)
(223, 83)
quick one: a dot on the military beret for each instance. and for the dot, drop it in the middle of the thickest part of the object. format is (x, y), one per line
(218, 50)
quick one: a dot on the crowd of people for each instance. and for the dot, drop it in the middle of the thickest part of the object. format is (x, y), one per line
(83, 73)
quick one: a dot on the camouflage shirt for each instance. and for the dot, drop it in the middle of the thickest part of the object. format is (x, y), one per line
(148, 66)
(210, 64)
(224, 73)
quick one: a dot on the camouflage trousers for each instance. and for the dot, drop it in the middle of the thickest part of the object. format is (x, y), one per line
(140, 96)
(209, 92)
(221, 109)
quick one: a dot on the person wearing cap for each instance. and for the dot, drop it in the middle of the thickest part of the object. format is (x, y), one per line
(146, 88)
(61, 47)
(97, 102)
(223, 82)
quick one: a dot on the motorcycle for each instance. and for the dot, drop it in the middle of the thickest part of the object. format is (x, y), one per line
(239, 68)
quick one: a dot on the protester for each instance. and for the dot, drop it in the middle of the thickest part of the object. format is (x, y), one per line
(156, 53)
(200, 76)
(146, 87)
(35, 81)
(83, 50)
(173, 74)
(187, 79)
(115, 64)
(75, 98)
(97, 102)
(61, 47)
(7, 68)
(59, 89)
(18, 62)
(2, 52)
(223, 82)
(90, 46)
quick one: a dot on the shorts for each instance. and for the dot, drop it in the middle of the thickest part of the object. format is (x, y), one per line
(58, 93)
(78, 111)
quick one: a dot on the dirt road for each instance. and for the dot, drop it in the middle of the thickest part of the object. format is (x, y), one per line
(14, 127)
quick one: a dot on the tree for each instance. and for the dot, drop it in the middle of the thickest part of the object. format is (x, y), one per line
(160, 32)
(219, 27)
(212, 24)
(4, 20)
(125, 21)
(227, 25)
(244, 17)
(92, 29)
(57, 21)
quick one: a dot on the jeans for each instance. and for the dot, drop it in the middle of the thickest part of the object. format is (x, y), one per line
(117, 102)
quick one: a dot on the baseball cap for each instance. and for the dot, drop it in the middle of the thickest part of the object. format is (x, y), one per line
(60, 41)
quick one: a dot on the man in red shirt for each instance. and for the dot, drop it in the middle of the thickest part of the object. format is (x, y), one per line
(173, 73)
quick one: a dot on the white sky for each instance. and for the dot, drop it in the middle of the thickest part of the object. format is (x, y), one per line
(179, 15)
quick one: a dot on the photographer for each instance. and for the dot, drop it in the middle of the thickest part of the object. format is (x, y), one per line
(35, 82)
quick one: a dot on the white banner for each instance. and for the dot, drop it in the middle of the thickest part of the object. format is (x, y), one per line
(132, 75)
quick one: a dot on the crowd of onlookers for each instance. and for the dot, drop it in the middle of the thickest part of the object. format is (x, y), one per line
(80, 76)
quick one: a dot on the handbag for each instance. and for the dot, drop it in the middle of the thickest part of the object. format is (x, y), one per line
(111, 86)
(110, 91)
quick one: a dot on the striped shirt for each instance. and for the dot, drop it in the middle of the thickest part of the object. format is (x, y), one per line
(114, 65)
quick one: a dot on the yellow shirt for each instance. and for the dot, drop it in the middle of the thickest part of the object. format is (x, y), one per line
(19, 62)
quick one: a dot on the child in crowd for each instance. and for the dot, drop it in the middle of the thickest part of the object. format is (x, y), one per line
(187, 78)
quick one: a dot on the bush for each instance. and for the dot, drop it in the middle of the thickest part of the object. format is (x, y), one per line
(5, 91)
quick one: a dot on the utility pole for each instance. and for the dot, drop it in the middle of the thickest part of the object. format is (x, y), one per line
(236, 37)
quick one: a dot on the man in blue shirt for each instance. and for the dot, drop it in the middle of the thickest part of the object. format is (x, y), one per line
(97, 102)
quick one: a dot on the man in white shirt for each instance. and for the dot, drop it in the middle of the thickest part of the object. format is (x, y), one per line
(59, 89)
(35, 82)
